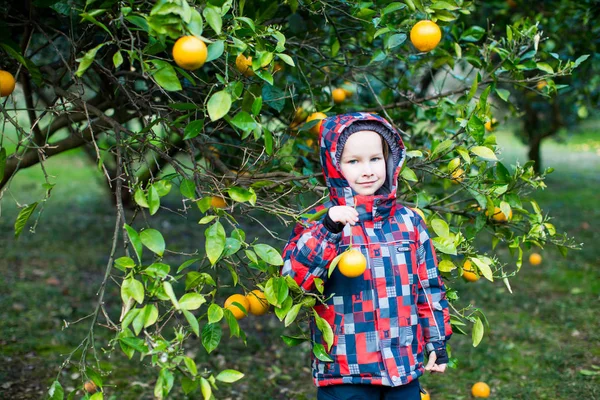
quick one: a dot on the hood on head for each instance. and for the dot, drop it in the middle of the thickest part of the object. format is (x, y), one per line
(334, 133)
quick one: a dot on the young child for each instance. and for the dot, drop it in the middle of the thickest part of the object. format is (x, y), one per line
(385, 319)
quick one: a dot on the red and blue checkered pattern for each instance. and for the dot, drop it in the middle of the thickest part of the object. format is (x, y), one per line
(381, 320)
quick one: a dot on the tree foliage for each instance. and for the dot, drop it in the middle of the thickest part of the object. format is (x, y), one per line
(100, 75)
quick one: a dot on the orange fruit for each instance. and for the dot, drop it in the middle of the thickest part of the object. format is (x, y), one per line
(90, 387)
(535, 259)
(7, 83)
(541, 84)
(244, 65)
(489, 125)
(458, 175)
(318, 115)
(348, 89)
(425, 396)
(480, 390)
(217, 202)
(238, 313)
(352, 264)
(258, 302)
(339, 95)
(468, 272)
(425, 35)
(189, 52)
(499, 216)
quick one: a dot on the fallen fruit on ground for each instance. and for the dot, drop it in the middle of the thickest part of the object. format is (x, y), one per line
(244, 65)
(352, 264)
(189, 52)
(425, 35)
(535, 259)
(7, 83)
(480, 390)
(258, 302)
(469, 273)
(238, 313)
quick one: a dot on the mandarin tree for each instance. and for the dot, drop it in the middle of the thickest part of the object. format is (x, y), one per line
(226, 132)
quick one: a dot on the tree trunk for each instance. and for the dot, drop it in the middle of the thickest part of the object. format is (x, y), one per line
(534, 154)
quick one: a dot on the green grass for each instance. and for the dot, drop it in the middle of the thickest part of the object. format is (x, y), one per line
(539, 339)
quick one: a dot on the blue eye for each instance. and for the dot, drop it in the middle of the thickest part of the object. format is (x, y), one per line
(352, 161)
(375, 159)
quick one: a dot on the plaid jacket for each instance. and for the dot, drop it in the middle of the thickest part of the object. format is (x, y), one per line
(381, 320)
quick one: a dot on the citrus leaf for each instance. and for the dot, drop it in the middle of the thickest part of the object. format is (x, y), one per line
(484, 152)
(192, 321)
(268, 254)
(334, 264)
(56, 391)
(477, 333)
(193, 129)
(484, 268)
(131, 287)
(211, 336)
(136, 243)
(153, 200)
(293, 341)
(292, 314)
(276, 291)
(215, 241)
(320, 353)
(229, 376)
(215, 50)
(23, 217)
(86, 61)
(153, 240)
(213, 17)
(165, 76)
(219, 105)
(215, 313)
(191, 301)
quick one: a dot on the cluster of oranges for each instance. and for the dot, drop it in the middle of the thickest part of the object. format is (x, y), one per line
(254, 303)
(479, 390)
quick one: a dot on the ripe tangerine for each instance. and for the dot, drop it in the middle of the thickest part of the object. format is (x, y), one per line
(189, 52)
(238, 313)
(425, 35)
(352, 264)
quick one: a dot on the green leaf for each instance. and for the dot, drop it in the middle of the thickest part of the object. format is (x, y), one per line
(145, 318)
(56, 391)
(193, 129)
(136, 243)
(207, 219)
(320, 352)
(444, 245)
(484, 152)
(190, 365)
(292, 314)
(241, 195)
(390, 8)
(136, 344)
(268, 254)
(192, 321)
(276, 291)
(153, 200)
(325, 329)
(446, 266)
(23, 217)
(257, 106)
(191, 301)
(215, 313)
(229, 376)
(188, 189)
(243, 121)
(232, 246)
(293, 341)
(215, 50)
(215, 241)
(478, 330)
(542, 66)
(440, 227)
(334, 264)
(165, 76)
(484, 267)
(219, 105)
(395, 40)
(164, 383)
(503, 94)
(132, 288)
(286, 59)
(86, 61)
(124, 262)
(211, 336)
(195, 25)
(473, 34)
(168, 288)
(409, 175)
(213, 17)
(265, 76)
(205, 388)
(117, 59)
(442, 147)
(153, 240)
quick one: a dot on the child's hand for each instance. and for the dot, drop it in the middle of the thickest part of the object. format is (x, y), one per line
(432, 366)
(343, 214)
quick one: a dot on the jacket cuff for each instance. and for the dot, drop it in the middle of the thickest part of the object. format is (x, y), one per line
(440, 351)
(331, 225)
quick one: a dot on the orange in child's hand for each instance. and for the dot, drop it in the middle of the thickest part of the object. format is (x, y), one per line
(352, 264)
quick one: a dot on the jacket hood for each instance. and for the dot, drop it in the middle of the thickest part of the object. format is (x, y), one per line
(332, 137)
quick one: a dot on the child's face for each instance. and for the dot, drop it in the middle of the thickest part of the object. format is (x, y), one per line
(362, 162)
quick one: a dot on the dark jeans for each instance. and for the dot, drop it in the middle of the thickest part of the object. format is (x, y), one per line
(410, 391)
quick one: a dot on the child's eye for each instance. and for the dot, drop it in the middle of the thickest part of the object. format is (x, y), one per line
(352, 161)
(375, 159)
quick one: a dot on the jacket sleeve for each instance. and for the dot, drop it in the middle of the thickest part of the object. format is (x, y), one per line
(309, 252)
(434, 316)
